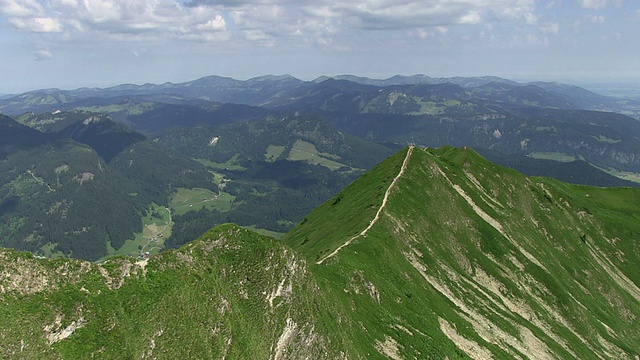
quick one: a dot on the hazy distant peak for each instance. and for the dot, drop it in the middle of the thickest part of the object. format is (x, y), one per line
(271, 77)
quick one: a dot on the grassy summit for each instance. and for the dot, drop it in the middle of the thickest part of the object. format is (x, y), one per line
(469, 257)
(435, 253)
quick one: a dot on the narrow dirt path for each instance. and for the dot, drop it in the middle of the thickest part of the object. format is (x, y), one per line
(41, 181)
(377, 217)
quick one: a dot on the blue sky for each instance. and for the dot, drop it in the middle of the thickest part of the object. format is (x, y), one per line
(75, 43)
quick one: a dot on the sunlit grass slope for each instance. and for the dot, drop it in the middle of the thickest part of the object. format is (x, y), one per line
(469, 258)
(232, 293)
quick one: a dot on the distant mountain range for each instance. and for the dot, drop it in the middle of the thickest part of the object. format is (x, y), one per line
(527, 118)
(270, 89)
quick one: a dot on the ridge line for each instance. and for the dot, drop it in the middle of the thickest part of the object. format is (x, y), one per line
(377, 217)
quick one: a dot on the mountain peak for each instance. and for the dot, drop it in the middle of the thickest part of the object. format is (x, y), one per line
(497, 258)
(272, 77)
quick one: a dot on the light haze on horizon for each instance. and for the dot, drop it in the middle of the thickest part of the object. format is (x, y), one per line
(98, 43)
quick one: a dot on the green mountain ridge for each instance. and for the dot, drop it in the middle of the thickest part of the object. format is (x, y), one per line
(434, 253)
(504, 265)
(212, 298)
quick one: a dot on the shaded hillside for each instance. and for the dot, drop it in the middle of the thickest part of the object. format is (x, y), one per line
(84, 189)
(573, 172)
(145, 114)
(105, 136)
(272, 138)
(164, 116)
(15, 136)
(521, 95)
(588, 100)
(607, 140)
(61, 197)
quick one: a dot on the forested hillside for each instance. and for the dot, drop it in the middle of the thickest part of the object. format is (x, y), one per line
(84, 188)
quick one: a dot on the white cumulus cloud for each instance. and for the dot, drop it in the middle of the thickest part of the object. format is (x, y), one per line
(20, 7)
(594, 4)
(37, 24)
(265, 22)
(373, 14)
(112, 18)
(473, 17)
(550, 28)
(43, 54)
(218, 23)
(253, 20)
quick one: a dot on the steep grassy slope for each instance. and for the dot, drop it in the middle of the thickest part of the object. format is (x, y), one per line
(467, 257)
(231, 294)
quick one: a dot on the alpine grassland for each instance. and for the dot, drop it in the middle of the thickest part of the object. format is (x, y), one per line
(432, 254)
(470, 258)
(232, 293)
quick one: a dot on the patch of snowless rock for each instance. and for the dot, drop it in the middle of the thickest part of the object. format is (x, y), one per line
(388, 348)
(285, 338)
(61, 334)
